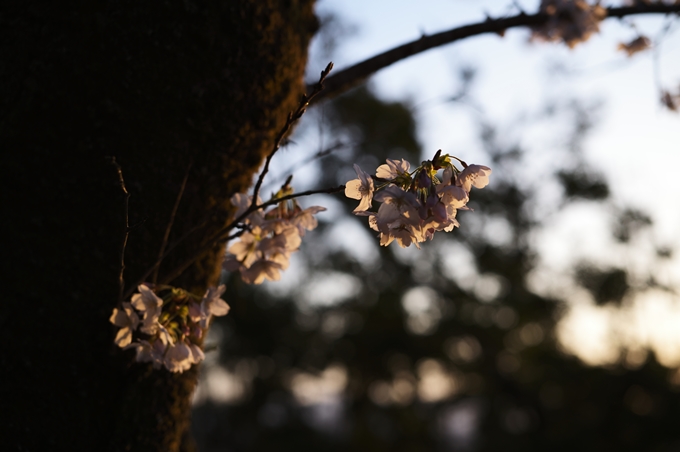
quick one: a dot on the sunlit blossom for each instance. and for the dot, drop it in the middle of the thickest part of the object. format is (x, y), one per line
(261, 270)
(148, 352)
(127, 319)
(413, 209)
(150, 304)
(178, 357)
(305, 219)
(392, 169)
(473, 176)
(361, 188)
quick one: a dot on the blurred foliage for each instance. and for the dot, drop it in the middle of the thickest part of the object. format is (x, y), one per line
(605, 285)
(581, 184)
(446, 348)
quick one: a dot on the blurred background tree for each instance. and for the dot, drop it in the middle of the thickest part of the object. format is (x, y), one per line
(451, 347)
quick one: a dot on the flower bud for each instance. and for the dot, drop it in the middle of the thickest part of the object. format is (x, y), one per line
(424, 180)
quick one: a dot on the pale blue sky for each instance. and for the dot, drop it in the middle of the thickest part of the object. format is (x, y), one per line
(636, 142)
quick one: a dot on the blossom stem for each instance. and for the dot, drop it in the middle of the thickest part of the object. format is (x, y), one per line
(220, 237)
(292, 117)
(166, 236)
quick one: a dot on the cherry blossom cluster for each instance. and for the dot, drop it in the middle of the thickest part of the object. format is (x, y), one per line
(571, 21)
(415, 204)
(165, 325)
(269, 237)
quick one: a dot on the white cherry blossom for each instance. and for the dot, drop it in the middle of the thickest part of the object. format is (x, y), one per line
(261, 270)
(213, 302)
(361, 188)
(178, 357)
(473, 176)
(392, 169)
(453, 196)
(147, 352)
(150, 304)
(305, 219)
(128, 320)
(244, 251)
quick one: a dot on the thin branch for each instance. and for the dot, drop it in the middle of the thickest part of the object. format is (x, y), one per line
(121, 182)
(306, 161)
(354, 75)
(166, 236)
(156, 264)
(220, 237)
(292, 117)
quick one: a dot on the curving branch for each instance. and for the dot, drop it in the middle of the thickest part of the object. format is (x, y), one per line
(354, 75)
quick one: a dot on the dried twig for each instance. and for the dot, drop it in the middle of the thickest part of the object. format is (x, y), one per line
(121, 182)
(166, 236)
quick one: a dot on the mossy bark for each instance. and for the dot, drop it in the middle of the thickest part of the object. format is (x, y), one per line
(168, 88)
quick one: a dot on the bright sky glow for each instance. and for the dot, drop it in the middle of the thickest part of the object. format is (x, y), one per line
(636, 142)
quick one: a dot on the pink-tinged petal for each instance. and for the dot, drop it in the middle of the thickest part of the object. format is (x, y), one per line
(119, 318)
(133, 318)
(178, 358)
(197, 354)
(453, 196)
(138, 302)
(146, 299)
(283, 259)
(290, 238)
(447, 176)
(361, 174)
(386, 239)
(260, 270)
(352, 189)
(241, 249)
(230, 263)
(392, 169)
(305, 220)
(361, 188)
(165, 336)
(150, 326)
(214, 292)
(474, 176)
(195, 313)
(364, 205)
(219, 307)
(124, 337)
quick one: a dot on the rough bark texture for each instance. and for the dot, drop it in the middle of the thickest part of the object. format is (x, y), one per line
(160, 86)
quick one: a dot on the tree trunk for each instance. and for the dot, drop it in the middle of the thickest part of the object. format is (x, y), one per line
(167, 88)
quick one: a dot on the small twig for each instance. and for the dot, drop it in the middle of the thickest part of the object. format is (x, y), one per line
(170, 248)
(292, 117)
(121, 181)
(166, 236)
(219, 237)
(301, 164)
